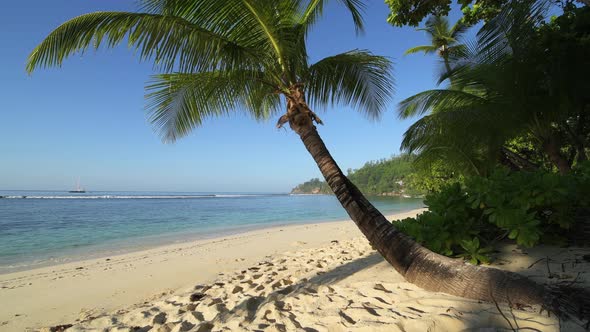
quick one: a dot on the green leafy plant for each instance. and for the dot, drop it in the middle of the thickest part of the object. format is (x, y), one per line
(527, 207)
(474, 253)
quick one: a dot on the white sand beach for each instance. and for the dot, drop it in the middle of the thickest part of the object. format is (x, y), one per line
(312, 277)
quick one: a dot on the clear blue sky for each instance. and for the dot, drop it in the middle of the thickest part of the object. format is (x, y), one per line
(87, 118)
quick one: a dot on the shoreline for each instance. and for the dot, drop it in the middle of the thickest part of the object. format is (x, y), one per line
(65, 292)
(321, 277)
(144, 243)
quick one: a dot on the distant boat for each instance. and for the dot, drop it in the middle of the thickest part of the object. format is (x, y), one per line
(78, 190)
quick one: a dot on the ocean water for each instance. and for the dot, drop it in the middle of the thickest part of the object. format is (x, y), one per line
(40, 228)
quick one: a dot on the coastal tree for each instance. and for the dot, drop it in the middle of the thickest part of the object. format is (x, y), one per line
(444, 39)
(517, 81)
(412, 12)
(223, 56)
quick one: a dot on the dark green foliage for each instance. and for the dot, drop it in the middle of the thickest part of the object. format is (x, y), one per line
(431, 177)
(521, 87)
(313, 186)
(383, 176)
(562, 52)
(448, 221)
(473, 252)
(412, 12)
(394, 176)
(527, 207)
(528, 148)
(520, 92)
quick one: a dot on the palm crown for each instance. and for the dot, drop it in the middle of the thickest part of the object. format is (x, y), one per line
(219, 56)
(445, 40)
(502, 87)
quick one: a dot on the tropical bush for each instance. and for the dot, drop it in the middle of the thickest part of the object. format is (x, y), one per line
(466, 220)
(517, 95)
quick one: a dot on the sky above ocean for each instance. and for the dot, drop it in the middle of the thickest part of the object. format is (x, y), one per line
(87, 118)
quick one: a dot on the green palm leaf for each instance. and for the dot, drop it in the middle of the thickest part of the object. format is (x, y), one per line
(510, 30)
(438, 100)
(168, 40)
(314, 9)
(458, 30)
(357, 77)
(468, 138)
(427, 49)
(179, 102)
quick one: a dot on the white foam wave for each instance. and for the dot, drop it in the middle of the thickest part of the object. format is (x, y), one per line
(132, 196)
(108, 197)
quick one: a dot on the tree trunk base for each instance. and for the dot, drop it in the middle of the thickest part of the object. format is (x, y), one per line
(434, 272)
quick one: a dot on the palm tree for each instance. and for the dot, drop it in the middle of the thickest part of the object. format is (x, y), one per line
(445, 40)
(247, 55)
(501, 90)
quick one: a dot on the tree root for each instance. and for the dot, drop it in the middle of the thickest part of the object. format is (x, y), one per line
(568, 302)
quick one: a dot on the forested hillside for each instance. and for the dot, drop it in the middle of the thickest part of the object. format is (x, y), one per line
(313, 186)
(393, 176)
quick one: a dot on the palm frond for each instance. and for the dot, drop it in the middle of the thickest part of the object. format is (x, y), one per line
(274, 25)
(511, 28)
(357, 77)
(168, 40)
(435, 25)
(313, 10)
(439, 100)
(296, 50)
(427, 49)
(179, 102)
(265, 17)
(467, 138)
(457, 126)
(458, 30)
(498, 92)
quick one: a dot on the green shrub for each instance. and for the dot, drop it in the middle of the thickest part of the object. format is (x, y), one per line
(465, 220)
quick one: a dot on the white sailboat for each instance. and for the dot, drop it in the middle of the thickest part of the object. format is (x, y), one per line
(78, 189)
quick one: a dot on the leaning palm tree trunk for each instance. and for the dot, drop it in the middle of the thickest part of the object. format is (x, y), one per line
(431, 271)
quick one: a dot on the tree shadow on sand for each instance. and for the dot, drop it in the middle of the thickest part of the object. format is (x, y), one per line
(248, 308)
(418, 308)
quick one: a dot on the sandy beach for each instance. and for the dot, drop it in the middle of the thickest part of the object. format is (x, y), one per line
(311, 277)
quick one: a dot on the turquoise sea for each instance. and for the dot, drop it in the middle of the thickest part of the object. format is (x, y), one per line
(39, 228)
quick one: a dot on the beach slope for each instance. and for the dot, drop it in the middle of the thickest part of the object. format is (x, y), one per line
(313, 277)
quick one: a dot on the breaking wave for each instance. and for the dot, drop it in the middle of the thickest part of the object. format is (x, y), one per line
(136, 196)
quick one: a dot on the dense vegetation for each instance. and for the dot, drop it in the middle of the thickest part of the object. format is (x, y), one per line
(385, 176)
(520, 86)
(412, 12)
(313, 186)
(528, 207)
(511, 129)
(393, 176)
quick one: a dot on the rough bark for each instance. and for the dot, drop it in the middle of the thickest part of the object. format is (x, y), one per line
(417, 264)
(551, 147)
(515, 161)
